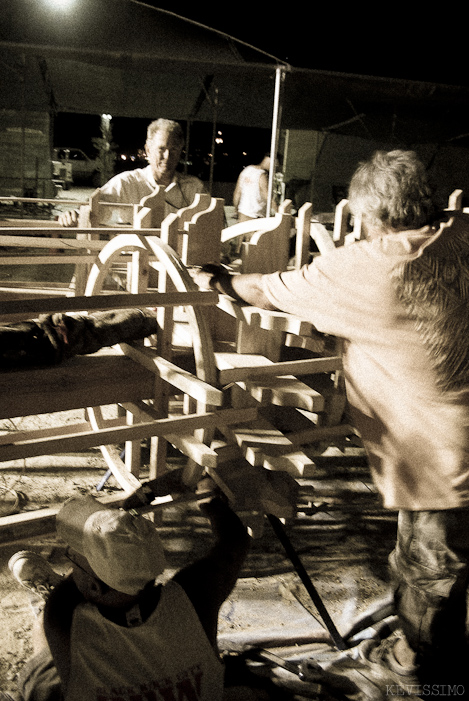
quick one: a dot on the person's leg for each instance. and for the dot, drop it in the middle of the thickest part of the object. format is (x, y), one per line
(430, 565)
(39, 679)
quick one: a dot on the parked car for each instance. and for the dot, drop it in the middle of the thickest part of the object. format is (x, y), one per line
(84, 168)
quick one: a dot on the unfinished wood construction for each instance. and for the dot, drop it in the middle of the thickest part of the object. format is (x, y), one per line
(279, 414)
(136, 377)
(300, 401)
(199, 227)
(199, 224)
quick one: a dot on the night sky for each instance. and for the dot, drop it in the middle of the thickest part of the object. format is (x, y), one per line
(396, 39)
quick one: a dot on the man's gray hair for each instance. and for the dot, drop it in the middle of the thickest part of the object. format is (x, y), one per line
(165, 125)
(391, 191)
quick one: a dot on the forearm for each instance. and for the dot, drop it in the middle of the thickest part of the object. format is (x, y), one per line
(209, 580)
(58, 614)
(246, 288)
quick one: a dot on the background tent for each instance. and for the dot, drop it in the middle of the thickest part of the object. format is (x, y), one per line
(130, 60)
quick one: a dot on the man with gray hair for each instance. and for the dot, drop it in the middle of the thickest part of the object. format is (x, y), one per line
(400, 301)
(163, 147)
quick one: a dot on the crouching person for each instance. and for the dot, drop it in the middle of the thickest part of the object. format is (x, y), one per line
(109, 630)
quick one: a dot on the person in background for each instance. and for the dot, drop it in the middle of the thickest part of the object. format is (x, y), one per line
(251, 191)
(109, 625)
(164, 144)
(400, 300)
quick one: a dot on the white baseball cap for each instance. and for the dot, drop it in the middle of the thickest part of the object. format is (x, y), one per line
(123, 550)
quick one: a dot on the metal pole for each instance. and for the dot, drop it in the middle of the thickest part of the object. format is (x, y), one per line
(214, 133)
(279, 80)
(309, 586)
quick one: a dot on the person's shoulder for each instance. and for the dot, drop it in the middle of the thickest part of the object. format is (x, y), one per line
(183, 178)
(126, 176)
(135, 174)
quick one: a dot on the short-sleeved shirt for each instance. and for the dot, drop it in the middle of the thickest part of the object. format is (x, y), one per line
(251, 202)
(131, 186)
(169, 656)
(415, 433)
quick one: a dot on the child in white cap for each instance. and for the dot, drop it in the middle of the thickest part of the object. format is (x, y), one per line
(111, 631)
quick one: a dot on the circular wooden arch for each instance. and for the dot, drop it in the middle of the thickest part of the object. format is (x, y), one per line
(168, 263)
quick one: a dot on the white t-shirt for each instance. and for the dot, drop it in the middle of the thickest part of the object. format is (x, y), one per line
(251, 202)
(131, 186)
(416, 434)
(168, 656)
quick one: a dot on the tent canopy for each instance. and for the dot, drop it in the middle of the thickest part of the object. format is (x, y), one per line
(131, 60)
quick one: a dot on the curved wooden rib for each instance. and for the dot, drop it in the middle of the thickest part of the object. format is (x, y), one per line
(168, 264)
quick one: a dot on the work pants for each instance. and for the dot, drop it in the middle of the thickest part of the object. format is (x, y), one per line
(430, 565)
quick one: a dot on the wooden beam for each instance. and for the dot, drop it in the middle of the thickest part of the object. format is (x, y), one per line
(89, 438)
(28, 309)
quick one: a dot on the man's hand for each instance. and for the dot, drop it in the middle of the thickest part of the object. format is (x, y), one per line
(208, 274)
(69, 219)
(172, 482)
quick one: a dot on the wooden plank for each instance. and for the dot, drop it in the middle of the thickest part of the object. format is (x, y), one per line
(280, 431)
(93, 380)
(176, 376)
(48, 259)
(258, 366)
(258, 439)
(186, 443)
(266, 319)
(28, 309)
(22, 292)
(342, 212)
(282, 391)
(6, 438)
(28, 524)
(202, 241)
(297, 464)
(285, 391)
(31, 223)
(41, 242)
(87, 439)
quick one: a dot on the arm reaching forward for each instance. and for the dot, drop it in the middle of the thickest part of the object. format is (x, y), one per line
(246, 288)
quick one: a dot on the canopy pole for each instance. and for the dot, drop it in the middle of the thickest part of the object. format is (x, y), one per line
(276, 118)
(214, 134)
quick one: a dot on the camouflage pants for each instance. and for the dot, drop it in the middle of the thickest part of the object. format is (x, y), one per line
(430, 565)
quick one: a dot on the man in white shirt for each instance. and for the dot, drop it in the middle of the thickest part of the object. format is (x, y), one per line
(399, 300)
(251, 191)
(164, 144)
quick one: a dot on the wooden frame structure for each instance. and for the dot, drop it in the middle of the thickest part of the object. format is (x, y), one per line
(277, 413)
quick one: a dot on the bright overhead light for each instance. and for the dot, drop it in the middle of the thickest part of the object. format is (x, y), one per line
(60, 4)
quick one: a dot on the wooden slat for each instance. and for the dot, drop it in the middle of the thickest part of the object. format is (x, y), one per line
(256, 366)
(266, 319)
(27, 309)
(176, 376)
(93, 380)
(42, 242)
(87, 439)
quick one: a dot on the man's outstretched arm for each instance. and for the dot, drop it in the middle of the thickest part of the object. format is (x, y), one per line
(246, 288)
